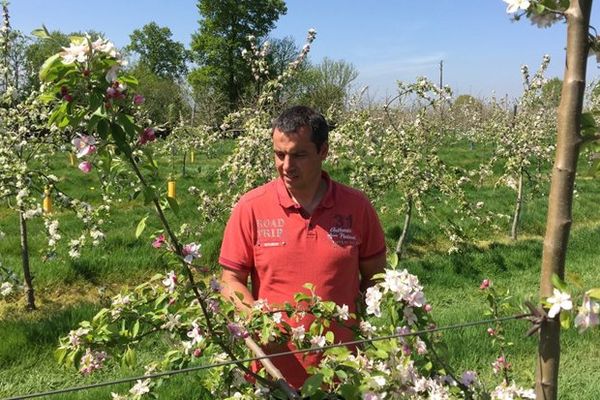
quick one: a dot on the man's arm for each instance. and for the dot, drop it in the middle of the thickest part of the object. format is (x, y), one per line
(232, 282)
(369, 268)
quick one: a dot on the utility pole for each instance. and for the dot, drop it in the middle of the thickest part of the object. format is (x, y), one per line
(441, 86)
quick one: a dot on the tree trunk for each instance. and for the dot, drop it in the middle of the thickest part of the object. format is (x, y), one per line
(404, 233)
(25, 258)
(518, 206)
(183, 167)
(561, 189)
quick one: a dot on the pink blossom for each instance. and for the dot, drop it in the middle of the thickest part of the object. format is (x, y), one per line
(427, 307)
(84, 145)
(485, 284)
(91, 361)
(500, 365)
(213, 306)
(85, 166)
(158, 241)
(491, 331)
(237, 331)
(115, 91)
(195, 334)
(138, 99)
(147, 135)
(191, 251)
(588, 314)
(468, 378)
(170, 281)
(215, 285)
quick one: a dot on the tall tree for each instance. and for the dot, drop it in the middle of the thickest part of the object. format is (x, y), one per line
(328, 84)
(551, 91)
(162, 96)
(224, 29)
(157, 52)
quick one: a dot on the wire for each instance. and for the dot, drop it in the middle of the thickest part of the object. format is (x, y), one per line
(285, 353)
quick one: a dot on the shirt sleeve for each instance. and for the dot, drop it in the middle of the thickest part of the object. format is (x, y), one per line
(237, 249)
(373, 238)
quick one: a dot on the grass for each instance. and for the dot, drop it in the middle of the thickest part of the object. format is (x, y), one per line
(68, 292)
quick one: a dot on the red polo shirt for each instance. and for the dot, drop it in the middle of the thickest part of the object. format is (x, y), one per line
(268, 237)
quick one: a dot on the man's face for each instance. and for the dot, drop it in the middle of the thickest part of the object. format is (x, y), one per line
(297, 160)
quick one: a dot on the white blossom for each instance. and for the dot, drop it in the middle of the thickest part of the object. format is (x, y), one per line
(559, 300)
(140, 388)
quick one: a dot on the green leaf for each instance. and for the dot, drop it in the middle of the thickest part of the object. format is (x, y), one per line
(594, 293)
(382, 354)
(559, 283)
(60, 355)
(140, 227)
(312, 385)
(47, 97)
(46, 67)
(329, 336)
(565, 320)
(41, 33)
(349, 392)
(341, 374)
(97, 318)
(58, 114)
(129, 127)
(299, 297)
(120, 138)
(309, 286)
(264, 336)
(102, 128)
(149, 195)
(174, 205)
(129, 358)
(393, 260)
(136, 329)
(160, 298)
(151, 159)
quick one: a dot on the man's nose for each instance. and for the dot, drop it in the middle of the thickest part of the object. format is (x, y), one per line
(287, 163)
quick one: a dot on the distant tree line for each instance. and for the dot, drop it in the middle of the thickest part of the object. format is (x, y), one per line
(203, 83)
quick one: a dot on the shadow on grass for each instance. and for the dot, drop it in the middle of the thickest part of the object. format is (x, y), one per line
(26, 335)
(474, 263)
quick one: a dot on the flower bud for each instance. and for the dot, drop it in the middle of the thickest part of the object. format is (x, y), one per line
(85, 167)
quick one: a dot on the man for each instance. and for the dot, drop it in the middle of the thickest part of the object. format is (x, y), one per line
(301, 227)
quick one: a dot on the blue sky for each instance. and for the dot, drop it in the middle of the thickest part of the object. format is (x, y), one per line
(386, 40)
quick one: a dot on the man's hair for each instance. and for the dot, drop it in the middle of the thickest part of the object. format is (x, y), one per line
(296, 117)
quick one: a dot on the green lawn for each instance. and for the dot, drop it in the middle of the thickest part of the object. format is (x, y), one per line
(72, 290)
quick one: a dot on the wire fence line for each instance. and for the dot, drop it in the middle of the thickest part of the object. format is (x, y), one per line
(285, 353)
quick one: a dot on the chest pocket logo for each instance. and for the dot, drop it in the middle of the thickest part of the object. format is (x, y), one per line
(341, 232)
(271, 232)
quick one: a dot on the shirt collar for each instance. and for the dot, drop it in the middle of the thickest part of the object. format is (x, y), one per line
(285, 200)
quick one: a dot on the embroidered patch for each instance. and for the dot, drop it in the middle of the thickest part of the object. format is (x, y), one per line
(343, 236)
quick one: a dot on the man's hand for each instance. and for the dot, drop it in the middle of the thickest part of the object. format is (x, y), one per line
(233, 284)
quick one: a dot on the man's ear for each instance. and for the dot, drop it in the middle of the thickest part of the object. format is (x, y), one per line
(324, 151)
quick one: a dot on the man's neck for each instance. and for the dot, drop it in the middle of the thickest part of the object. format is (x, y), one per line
(310, 199)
